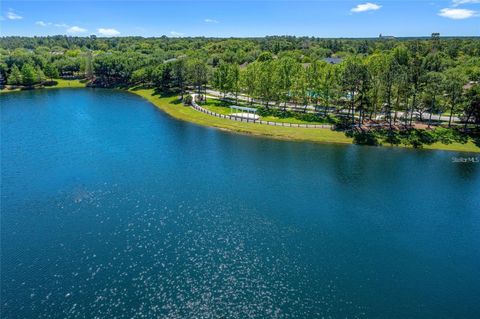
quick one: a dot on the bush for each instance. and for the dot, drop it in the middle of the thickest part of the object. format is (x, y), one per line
(393, 137)
(417, 138)
(50, 83)
(365, 138)
(448, 135)
(187, 100)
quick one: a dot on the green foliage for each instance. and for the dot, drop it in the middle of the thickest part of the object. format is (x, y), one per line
(364, 137)
(40, 76)
(187, 100)
(375, 78)
(15, 77)
(29, 76)
(265, 56)
(51, 71)
(416, 138)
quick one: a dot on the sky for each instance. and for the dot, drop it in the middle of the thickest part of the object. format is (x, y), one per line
(247, 18)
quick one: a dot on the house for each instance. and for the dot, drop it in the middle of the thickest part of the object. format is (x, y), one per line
(333, 60)
(469, 85)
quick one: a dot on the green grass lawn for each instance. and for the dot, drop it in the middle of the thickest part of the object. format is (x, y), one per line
(177, 110)
(287, 120)
(222, 107)
(61, 83)
(217, 106)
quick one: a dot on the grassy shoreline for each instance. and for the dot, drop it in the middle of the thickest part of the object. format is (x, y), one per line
(61, 84)
(181, 112)
(176, 110)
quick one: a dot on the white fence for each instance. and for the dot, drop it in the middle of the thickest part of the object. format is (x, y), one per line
(242, 119)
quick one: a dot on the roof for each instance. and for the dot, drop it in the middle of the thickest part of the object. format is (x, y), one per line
(243, 108)
(333, 60)
(469, 85)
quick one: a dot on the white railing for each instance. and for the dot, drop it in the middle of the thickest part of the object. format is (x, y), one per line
(247, 120)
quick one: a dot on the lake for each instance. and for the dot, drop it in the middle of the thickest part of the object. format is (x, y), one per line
(112, 209)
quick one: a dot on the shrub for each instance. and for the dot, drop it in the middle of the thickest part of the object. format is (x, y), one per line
(187, 100)
(365, 138)
(50, 83)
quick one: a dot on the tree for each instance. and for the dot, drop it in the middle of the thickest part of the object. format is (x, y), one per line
(351, 79)
(453, 85)
(199, 75)
(266, 82)
(433, 89)
(15, 76)
(402, 90)
(375, 64)
(328, 84)
(363, 95)
(472, 108)
(221, 78)
(29, 77)
(389, 76)
(314, 80)
(287, 70)
(300, 88)
(265, 56)
(233, 80)
(416, 77)
(51, 71)
(180, 76)
(40, 76)
(162, 77)
(143, 75)
(249, 80)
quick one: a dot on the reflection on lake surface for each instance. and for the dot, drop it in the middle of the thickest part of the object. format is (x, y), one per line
(109, 208)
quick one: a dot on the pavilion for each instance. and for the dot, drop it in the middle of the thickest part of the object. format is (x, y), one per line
(245, 112)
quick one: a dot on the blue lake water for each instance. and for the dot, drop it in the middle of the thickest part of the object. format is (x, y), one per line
(111, 209)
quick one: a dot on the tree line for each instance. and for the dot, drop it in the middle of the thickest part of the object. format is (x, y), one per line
(376, 77)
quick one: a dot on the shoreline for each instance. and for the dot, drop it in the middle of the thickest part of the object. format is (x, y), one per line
(61, 84)
(316, 135)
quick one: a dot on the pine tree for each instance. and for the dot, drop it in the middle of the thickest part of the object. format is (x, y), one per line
(29, 76)
(40, 76)
(15, 76)
(51, 71)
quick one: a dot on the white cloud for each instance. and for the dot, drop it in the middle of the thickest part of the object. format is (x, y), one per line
(11, 15)
(49, 24)
(366, 7)
(108, 32)
(459, 2)
(76, 29)
(210, 21)
(457, 14)
(176, 34)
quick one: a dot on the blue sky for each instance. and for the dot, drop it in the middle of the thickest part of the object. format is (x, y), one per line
(322, 18)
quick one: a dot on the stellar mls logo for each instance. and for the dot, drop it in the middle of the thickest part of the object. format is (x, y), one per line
(461, 159)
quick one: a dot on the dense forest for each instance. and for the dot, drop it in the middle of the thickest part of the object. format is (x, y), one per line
(366, 77)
